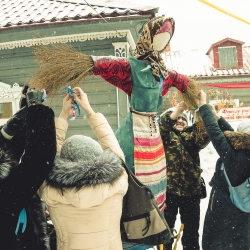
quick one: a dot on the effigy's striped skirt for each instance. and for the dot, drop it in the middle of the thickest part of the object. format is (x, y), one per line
(149, 155)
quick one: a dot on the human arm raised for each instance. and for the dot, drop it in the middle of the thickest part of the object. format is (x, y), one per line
(223, 124)
(61, 121)
(179, 108)
(214, 131)
(98, 123)
(12, 136)
(24, 180)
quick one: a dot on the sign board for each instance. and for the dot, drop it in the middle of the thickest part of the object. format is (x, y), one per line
(235, 114)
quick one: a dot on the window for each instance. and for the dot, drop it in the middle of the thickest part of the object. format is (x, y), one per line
(9, 100)
(228, 57)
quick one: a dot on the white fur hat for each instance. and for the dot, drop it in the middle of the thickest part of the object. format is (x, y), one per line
(244, 126)
(184, 116)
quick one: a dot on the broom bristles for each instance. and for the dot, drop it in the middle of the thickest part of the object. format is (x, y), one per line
(190, 97)
(59, 66)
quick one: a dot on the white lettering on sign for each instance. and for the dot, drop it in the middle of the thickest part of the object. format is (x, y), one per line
(235, 114)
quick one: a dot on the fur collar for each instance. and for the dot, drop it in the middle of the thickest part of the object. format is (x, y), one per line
(77, 175)
(238, 140)
(6, 163)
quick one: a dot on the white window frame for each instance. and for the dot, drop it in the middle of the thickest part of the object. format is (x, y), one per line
(10, 94)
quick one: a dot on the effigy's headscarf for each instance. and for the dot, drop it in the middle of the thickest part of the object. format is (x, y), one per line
(144, 48)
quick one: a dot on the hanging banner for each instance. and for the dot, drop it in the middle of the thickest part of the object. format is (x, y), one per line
(235, 114)
(240, 85)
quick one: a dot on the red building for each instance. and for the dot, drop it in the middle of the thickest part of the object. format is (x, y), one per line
(223, 71)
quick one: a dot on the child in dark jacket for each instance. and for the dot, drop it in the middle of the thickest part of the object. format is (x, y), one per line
(27, 152)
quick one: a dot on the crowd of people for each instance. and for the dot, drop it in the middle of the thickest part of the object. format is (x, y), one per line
(83, 185)
(81, 182)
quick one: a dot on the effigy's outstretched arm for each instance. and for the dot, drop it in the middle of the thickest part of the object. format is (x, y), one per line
(62, 65)
(188, 87)
(115, 70)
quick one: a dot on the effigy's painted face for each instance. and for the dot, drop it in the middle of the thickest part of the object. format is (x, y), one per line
(160, 41)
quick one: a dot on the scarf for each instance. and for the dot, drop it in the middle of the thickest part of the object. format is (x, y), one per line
(144, 48)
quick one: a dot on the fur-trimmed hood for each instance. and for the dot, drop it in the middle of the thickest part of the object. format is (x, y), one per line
(78, 175)
(238, 140)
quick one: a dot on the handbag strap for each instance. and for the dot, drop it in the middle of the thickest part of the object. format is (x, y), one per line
(226, 177)
(225, 174)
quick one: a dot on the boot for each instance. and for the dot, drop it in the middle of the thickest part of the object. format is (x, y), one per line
(168, 246)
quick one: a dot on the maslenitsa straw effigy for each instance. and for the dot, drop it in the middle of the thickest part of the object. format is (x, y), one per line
(62, 65)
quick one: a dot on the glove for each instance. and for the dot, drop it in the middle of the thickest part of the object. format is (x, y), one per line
(34, 97)
(15, 124)
(23, 102)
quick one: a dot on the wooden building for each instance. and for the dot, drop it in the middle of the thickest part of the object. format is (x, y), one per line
(92, 29)
(223, 71)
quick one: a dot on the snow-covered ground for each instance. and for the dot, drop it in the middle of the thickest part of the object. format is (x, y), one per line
(208, 158)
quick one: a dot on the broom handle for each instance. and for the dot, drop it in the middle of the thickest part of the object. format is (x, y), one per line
(161, 246)
(178, 236)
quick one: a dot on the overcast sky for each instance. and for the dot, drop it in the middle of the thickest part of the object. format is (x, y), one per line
(197, 24)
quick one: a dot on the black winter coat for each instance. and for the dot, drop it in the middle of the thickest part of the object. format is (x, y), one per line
(19, 182)
(225, 227)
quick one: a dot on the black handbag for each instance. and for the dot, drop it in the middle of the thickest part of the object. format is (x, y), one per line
(141, 221)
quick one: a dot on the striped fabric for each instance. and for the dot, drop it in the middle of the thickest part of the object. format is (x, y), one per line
(149, 155)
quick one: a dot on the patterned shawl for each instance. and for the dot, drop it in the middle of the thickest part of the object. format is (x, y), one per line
(144, 48)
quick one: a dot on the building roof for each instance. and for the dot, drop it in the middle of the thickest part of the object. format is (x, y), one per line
(21, 13)
(195, 63)
(223, 41)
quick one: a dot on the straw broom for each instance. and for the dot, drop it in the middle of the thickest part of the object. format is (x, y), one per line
(59, 66)
(190, 97)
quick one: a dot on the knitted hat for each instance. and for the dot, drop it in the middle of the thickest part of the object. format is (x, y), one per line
(244, 126)
(184, 116)
(80, 148)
